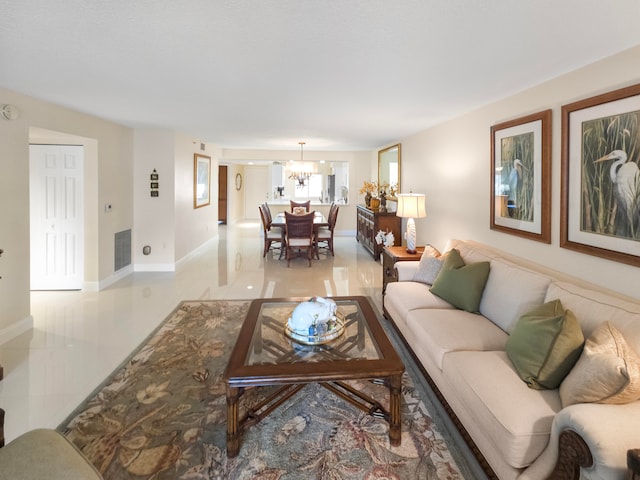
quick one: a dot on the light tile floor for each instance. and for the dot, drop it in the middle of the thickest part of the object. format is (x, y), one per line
(81, 337)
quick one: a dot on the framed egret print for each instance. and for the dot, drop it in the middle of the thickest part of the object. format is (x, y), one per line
(600, 184)
(521, 177)
(201, 180)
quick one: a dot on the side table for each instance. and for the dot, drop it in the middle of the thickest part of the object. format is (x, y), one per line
(391, 255)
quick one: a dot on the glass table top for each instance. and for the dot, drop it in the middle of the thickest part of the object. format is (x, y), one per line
(270, 344)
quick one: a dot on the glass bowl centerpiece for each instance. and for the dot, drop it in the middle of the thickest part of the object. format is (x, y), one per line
(315, 322)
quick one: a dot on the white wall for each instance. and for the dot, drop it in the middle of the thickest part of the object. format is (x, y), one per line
(193, 227)
(110, 144)
(450, 163)
(154, 216)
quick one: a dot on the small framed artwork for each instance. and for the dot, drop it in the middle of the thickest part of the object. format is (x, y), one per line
(154, 184)
(154, 176)
(201, 180)
(600, 184)
(154, 193)
(521, 177)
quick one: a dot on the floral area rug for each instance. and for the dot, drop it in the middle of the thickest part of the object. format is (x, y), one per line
(162, 415)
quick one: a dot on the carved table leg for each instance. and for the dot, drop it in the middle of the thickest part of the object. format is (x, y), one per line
(633, 463)
(233, 422)
(395, 418)
(1, 428)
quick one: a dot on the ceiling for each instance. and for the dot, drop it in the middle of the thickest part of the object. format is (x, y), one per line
(266, 74)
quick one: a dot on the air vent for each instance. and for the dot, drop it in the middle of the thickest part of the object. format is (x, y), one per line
(122, 249)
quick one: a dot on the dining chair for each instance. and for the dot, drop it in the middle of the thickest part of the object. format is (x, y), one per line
(267, 211)
(325, 234)
(306, 205)
(270, 236)
(299, 235)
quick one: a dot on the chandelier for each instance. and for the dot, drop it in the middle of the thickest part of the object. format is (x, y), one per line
(300, 176)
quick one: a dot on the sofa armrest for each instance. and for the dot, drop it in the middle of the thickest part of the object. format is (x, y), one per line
(607, 431)
(406, 270)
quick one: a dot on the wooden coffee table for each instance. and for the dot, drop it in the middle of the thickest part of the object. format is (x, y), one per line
(264, 355)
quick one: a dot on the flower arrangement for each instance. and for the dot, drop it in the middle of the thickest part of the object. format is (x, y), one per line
(385, 238)
(369, 187)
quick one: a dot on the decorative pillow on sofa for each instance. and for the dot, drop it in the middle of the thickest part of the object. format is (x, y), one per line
(430, 265)
(608, 371)
(545, 344)
(459, 284)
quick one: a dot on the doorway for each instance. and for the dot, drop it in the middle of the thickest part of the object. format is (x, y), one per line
(56, 195)
(222, 194)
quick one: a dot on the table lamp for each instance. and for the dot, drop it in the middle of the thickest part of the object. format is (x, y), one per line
(411, 205)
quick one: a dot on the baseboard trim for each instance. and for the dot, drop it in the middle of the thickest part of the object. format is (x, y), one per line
(16, 329)
(154, 267)
(117, 276)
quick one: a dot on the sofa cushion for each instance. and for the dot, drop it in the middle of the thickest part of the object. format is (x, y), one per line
(430, 264)
(459, 284)
(470, 252)
(44, 453)
(510, 291)
(608, 371)
(593, 307)
(516, 418)
(437, 332)
(402, 297)
(545, 344)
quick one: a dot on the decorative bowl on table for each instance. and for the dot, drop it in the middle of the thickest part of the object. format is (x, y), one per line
(315, 322)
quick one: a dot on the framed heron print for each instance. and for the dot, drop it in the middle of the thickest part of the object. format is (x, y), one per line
(600, 184)
(201, 180)
(521, 177)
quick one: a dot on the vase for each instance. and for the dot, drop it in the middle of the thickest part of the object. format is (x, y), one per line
(375, 203)
(367, 199)
(383, 202)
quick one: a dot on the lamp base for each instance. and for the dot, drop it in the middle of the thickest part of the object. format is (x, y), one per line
(410, 235)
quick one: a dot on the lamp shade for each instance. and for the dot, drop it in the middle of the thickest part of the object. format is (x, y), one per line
(411, 205)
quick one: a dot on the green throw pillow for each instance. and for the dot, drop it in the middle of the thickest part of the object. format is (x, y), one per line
(545, 344)
(459, 284)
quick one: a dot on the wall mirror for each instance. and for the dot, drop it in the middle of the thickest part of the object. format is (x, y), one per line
(389, 169)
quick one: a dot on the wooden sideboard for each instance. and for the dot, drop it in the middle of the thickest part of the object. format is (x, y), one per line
(370, 222)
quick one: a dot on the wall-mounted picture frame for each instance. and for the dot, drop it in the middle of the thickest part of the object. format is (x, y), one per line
(201, 180)
(521, 177)
(600, 176)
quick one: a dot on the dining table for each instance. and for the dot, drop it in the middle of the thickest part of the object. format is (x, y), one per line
(279, 221)
(319, 220)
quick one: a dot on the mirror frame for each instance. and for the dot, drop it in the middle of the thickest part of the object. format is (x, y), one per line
(387, 152)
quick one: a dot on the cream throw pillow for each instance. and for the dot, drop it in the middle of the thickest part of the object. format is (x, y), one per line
(608, 371)
(430, 265)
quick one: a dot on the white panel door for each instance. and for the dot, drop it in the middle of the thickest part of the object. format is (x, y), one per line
(56, 191)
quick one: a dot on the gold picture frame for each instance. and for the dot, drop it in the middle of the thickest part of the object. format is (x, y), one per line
(521, 177)
(201, 180)
(600, 176)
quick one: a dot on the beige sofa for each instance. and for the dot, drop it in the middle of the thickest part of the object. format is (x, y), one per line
(522, 432)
